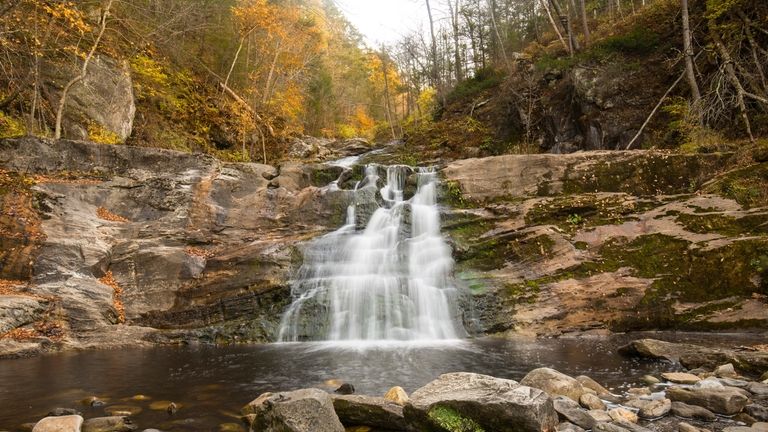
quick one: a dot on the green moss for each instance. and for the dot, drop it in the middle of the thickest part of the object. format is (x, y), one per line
(748, 186)
(451, 420)
(573, 213)
(11, 127)
(484, 79)
(638, 41)
(494, 253)
(726, 225)
(454, 196)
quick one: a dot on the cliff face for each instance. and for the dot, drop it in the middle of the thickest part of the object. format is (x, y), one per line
(611, 241)
(123, 241)
(113, 245)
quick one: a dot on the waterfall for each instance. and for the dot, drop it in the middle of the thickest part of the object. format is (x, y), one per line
(391, 280)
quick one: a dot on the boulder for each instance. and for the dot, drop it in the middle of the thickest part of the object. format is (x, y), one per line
(680, 377)
(554, 383)
(727, 400)
(16, 311)
(479, 401)
(568, 427)
(758, 389)
(590, 401)
(306, 410)
(591, 384)
(685, 427)
(609, 427)
(682, 409)
(376, 412)
(726, 371)
(104, 98)
(71, 423)
(570, 411)
(109, 424)
(695, 356)
(600, 416)
(397, 395)
(655, 409)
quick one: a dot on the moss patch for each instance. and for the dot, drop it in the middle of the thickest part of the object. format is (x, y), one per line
(451, 420)
(748, 186)
(726, 225)
(570, 213)
(496, 252)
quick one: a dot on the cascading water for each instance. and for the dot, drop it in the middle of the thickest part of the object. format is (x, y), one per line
(388, 281)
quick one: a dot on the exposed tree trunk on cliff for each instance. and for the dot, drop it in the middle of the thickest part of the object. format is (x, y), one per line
(690, 72)
(502, 49)
(565, 20)
(237, 55)
(554, 24)
(83, 70)
(584, 21)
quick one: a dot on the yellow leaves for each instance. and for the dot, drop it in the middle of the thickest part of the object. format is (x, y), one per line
(67, 13)
(99, 134)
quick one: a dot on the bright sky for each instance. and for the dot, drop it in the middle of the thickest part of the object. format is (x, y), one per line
(385, 21)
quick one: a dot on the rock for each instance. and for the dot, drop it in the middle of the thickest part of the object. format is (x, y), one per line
(726, 371)
(122, 410)
(609, 427)
(591, 384)
(570, 411)
(18, 311)
(744, 418)
(376, 412)
(568, 427)
(650, 379)
(761, 426)
(622, 414)
(345, 389)
(172, 408)
(758, 389)
(727, 400)
(70, 423)
(738, 429)
(58, 412)
(759, 412)
(591, 402)
(632, 427)
(685, 410)
(695, 356)
(764, 376)
(685, 427)
(104, 97)
(109, 424)
(639, 391)
(397, 395)
(680, 377)
(655, 409)
(600, 416)
(480, 401)
(554, 383)
(307, 410)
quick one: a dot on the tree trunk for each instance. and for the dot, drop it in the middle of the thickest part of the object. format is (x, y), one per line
(454, 10)
(690, 73)
(734, 79)
(554, 24)
(83, 70)
(584, 21)
(502, 49)
(435, 75)
(386, 95)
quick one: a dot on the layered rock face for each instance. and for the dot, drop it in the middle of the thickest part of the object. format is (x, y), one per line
(552, 244)
(132, 240)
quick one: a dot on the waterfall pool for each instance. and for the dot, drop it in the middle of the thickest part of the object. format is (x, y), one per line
(211, 383)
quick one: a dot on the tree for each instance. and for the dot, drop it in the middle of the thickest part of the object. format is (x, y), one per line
(690, 73)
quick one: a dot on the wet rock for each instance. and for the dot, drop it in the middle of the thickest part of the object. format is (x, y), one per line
(650, 379)
(554, 383)
(591, 402)
(639, 391)
(622, 414)
(685, 410)
(632, 427)
(726, 371)
(680, 377)
(58, 412)
(345, 389)
(568, 427)
(570, 411)
(727, 400)
(17, 311)
(744, 418)
(376, 412)
(122, 410)
(757, 411)
(480, 401)
(739, 429)
(655, 409)
(109, 424)
(70, 423)
(397, 395)
(307, 410)
(695, 356)
(761, 426)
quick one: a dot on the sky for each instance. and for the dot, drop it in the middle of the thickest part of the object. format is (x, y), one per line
(385, 21)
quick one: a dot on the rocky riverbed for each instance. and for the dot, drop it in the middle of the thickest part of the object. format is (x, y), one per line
(711, 397)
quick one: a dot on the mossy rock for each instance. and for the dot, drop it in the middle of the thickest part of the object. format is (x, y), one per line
(450, 420)
(748, 186)
(754, 224)
(496, 252)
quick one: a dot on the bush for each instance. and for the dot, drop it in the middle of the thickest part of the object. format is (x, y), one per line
(484, 79)
(639, 41)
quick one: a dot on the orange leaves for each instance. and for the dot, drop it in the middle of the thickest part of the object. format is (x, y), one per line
(107, 215)
(117, 297)
(69, 15)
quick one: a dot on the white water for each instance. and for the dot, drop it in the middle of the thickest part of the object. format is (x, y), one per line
(388, 282)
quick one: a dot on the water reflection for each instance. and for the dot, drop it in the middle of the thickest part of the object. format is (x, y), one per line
(212, 383)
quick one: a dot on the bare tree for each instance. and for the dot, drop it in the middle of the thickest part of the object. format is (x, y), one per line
(688, 52)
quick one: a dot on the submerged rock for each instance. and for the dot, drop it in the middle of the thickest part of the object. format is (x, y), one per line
(476, 401)
(682, 409)
(71, 423)
(377, 412)
(109, 424)
(307, 410)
